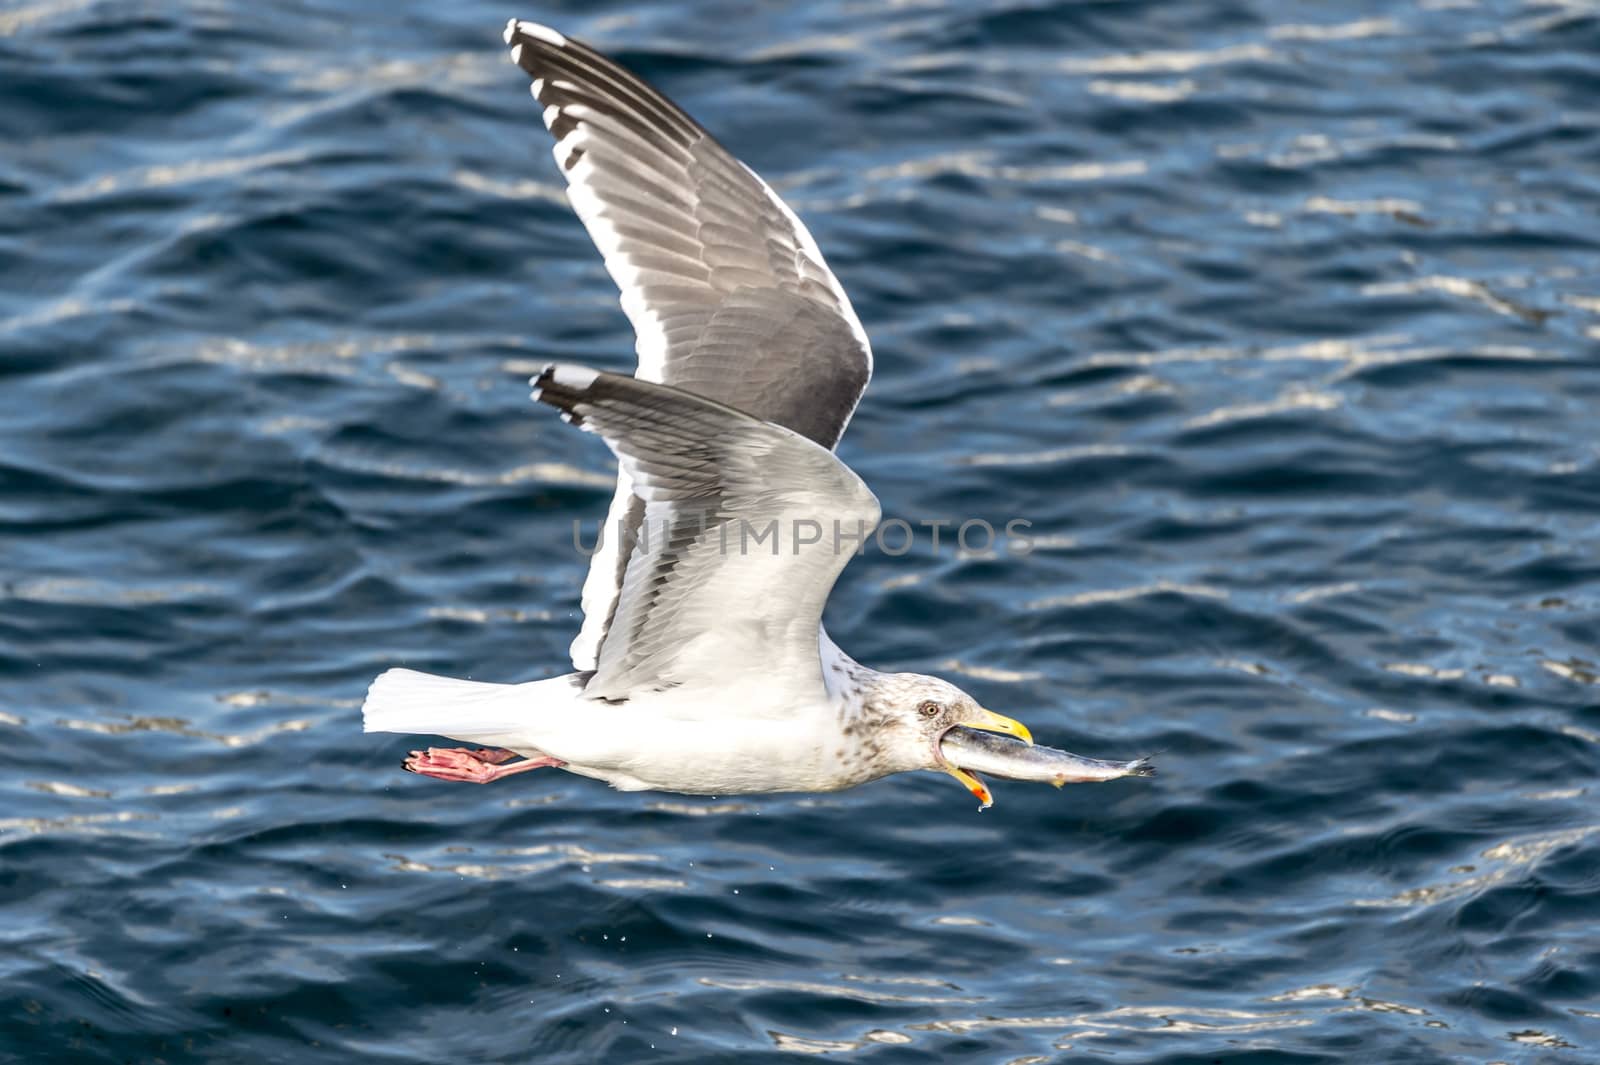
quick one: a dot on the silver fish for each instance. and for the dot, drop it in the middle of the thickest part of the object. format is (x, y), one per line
(972, 752)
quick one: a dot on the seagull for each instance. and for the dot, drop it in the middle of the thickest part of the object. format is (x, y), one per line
(702, 666)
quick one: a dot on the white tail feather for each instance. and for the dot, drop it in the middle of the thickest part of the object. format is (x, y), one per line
(403, 700)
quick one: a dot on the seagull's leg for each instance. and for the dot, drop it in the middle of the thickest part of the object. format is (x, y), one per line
(492, 755)
(472, 767)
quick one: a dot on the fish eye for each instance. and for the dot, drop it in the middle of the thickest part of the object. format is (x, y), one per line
(929, 708)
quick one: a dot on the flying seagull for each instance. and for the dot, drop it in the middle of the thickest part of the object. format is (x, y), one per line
(702, 665)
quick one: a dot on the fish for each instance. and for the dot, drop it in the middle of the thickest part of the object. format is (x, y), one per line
(970, 752)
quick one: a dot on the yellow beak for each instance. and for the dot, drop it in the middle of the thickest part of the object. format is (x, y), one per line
(989, 721)
(979, 789)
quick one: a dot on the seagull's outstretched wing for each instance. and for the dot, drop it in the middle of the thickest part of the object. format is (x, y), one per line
(726, 290)
(746, 526)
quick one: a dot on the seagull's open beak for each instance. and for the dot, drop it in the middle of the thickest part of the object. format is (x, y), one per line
(988, 721)
(973, 783)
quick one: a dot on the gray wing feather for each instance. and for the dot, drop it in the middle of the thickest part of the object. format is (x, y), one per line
(724, 286)
(696, 595)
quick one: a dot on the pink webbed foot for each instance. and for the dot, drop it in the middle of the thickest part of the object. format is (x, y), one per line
(492, 755)
(472, 767)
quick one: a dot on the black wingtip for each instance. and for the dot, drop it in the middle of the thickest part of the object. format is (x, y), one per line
(520, 30)
(1141, 767)
(562, 385)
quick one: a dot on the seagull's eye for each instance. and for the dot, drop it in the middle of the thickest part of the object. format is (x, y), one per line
(929, 708)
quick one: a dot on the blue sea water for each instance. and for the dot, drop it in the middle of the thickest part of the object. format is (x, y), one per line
(1280, 322)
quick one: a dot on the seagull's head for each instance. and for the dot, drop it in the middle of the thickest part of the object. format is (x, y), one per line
(914, 712)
